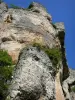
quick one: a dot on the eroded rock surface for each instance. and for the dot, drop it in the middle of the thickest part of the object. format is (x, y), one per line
(67, 84)
(20, 27)
(34, 75)
(33, 78)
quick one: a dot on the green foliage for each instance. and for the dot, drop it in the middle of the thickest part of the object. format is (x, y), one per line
(5, 78)
(5, 59)
(73, 89)
(30, 6)
(54, 53)
(6, 72)
(6, 69)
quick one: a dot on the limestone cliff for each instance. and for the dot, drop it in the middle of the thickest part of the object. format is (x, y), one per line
(40, 73)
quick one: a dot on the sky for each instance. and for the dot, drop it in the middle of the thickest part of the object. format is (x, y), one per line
(61, 11)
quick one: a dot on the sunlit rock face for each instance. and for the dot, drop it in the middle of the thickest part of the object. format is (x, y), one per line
(34, 76)
(68, 86)
(19, 27)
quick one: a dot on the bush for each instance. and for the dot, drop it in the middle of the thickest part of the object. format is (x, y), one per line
(54, 54)
(6, 69)
(5, 79)
(73, 89)
(30, 6)
(5, 59)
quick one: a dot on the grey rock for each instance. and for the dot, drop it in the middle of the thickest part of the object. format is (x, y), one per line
(72, 94)
(33, 77)
(25, 27)
(38, 8)
(60, 25)
(72, 75)
(67, 84)
(61, 35)
(72, 72)
(3, 9)
(20, 27)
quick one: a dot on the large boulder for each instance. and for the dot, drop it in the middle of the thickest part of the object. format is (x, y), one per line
(33, 77)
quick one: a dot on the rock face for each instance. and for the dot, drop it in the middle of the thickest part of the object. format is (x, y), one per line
(67, 84)
(20, 27)
(33, 79)
(3, 8)
(34, 76)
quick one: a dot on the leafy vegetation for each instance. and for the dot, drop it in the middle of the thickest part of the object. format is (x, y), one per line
(54, 53)
(6, 69)
(5, 59)
(73, 89)
(30, 6)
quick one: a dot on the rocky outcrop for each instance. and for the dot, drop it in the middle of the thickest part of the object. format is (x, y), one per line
(61, 35)
(3, 8)
(33, 78)
(19, 27)
(67, 84)
(72, 93)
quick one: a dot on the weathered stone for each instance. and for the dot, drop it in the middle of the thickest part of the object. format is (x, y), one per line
(60, 25)
(25, 27)
(38, 8)
(3, 9)
(34, 71)
(67, 84)
(33, 77)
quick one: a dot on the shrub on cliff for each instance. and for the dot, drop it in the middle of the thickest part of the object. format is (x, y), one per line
(73, 89)
(53, 53)
(5, 59)
(5, 78)
(6, 68)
